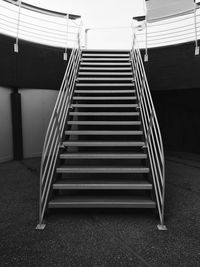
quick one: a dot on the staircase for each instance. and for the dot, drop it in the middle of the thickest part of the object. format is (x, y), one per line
(103, 159)
(103, 147)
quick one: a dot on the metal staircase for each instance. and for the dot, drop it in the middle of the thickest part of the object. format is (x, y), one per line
(103, 146)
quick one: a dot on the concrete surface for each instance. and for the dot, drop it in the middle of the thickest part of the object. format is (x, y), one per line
(100, 237)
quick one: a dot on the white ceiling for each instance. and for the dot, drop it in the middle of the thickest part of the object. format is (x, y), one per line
(161, 8)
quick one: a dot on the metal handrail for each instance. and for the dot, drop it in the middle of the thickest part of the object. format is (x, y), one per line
(42, 10)
(54, 134)
(37, 25)
(153, 138)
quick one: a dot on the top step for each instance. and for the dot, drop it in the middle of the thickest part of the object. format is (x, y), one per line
(105, 51)
(105, 55)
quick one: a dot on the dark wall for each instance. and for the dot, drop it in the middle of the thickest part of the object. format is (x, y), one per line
(173, 67)
(178, 113)
(173, 74)
(40, 66)
(35, 66)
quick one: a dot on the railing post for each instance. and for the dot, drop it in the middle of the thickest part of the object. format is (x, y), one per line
(149, 119)
(86, 38)
(162, 226)
(195, 29)
(146, 58)
(65, 53)
(40, 225)
(16, 47)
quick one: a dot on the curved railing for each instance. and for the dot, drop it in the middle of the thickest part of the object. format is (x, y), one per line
(54, 134)
(43, 26)
(151, 127)
(175, 29)
(39, 25)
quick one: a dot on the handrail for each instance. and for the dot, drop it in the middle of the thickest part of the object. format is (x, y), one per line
(54, 134)
(153, 138)
(37, 25)
(49, 27)
(42, 10)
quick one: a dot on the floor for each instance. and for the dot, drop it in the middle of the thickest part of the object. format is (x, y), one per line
(100, 237)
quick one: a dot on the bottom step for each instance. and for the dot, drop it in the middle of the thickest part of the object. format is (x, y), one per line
(85, 201)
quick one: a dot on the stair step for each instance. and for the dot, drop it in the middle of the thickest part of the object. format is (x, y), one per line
(103, 69)
(104, 84)
(104, 113)
(105, 105)
(104, 98)
(103, 184)
(101, 202)
(104, 132)
(104, 169)
(88, 51)
(105, 79)
(106, 55)
(103, 144)
(104, 123)
(105, 59)
(104, 91)
(105, 64)
(103, 156)
(106, 73)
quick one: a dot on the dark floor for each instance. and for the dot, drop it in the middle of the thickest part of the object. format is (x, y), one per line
(100, 237)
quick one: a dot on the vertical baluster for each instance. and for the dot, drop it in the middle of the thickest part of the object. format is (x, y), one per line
(16, 47)
(195, 29)
(65, 53)
(146, 58)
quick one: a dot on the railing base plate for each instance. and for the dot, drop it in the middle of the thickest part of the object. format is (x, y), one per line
(162, 227)
(40, 226)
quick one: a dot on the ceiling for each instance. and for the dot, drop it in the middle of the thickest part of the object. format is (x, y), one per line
(161, 8)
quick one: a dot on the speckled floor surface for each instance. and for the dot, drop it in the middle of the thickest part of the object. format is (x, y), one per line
(100, 237)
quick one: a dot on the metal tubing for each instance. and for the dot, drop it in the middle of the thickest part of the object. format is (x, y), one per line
(195, 30)
(55, 130)
(16, 48)
(151, 130)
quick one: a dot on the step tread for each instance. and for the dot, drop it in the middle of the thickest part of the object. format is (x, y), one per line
(104, 91)
(104, 98)
(105, 59)
(86, 183)
(104, 84)
(106, 73)
(104, 122)
(104, 113)
(105, 55)
(105, 79)
(103, 155)
(96, 50)
(105, 64)
(101, 169)
(110, 201)
(104, 132)
(105, 105)
(104, 69)
(104, 143)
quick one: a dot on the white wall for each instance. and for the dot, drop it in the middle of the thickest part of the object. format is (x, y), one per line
(37, 106)
(6, 150)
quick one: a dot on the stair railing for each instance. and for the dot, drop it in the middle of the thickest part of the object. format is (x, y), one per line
(153, 138)
(54, 134)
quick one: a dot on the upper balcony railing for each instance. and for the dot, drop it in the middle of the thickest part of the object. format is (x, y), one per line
(35, 24)
(170, 30)
(24, 21)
